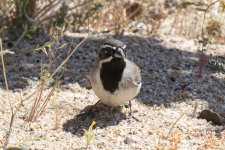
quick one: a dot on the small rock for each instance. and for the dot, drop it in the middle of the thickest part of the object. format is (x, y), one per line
(129, 140)
(101, 145)
(34, 126)
(220, 98)
(215, 118)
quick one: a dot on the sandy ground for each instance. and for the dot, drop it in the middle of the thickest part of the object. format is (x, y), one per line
(171, 92)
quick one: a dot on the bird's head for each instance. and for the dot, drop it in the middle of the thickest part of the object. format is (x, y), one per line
(112, 48)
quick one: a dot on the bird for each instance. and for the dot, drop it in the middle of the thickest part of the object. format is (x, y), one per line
(115, 79)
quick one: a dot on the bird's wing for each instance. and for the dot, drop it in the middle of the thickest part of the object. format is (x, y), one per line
(93, 72)
(131, 75)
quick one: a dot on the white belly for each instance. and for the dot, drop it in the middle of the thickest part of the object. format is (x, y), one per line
(119, 97)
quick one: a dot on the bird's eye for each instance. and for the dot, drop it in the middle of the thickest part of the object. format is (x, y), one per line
(106, 51)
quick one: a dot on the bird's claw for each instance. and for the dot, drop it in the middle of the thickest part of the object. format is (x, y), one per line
(132, 117)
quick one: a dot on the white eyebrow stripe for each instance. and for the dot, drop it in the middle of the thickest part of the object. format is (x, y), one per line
(109, 46)
(124, 46)
(121, 49)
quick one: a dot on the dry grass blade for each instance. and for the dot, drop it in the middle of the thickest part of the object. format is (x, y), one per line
(43, 106)
(5, 77)
(8, 95)
(195, 108)
(67, 58)
(56, 14)
(203, 22)
(46, 9)
(36, 102)
(6, 52)
(39, 105)
(175, 124)
(56, 107)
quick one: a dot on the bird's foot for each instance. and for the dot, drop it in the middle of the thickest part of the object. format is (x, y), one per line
(132, 117)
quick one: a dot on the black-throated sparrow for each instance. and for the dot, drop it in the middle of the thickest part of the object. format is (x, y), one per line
(115, 79)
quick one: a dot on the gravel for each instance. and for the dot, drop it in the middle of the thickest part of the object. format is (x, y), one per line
(171, 92)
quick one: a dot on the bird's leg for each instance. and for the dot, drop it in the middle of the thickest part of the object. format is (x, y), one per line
(96, 103)
(130, 105)
(131, 116)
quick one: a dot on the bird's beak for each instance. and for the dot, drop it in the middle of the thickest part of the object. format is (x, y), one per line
(119, 53)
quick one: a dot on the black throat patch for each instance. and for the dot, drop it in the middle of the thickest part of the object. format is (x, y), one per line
(111, 74)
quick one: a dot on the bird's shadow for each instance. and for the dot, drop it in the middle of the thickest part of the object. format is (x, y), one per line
(103, 116)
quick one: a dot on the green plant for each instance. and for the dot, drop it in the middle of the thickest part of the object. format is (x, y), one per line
(89, 134)
(26, 32)
(175, 123)
(217, 63)
(22, 22)
(213, 29)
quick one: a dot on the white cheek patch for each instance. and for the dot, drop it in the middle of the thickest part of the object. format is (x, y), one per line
(106, 60)
(117, 56)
